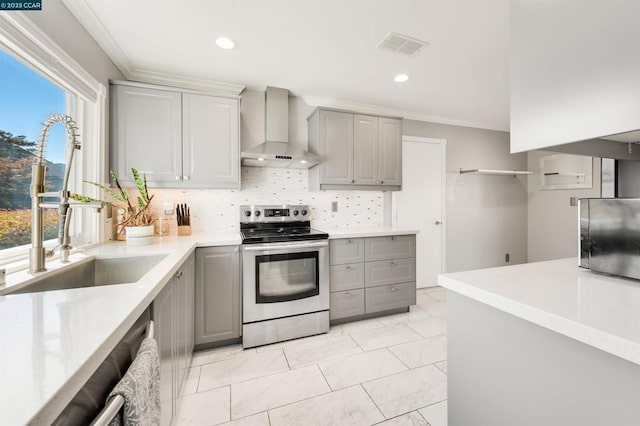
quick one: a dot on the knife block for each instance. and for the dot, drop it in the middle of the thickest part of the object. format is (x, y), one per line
(184, 230)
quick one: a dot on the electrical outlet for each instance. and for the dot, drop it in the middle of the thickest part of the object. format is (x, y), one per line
(507, 257)
(334, 206)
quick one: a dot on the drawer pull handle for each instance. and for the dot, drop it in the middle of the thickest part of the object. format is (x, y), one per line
(348, 268)
(348, 241)
(393, 288)
(393, 238)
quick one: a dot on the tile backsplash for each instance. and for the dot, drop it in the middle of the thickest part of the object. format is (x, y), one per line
(218, 210)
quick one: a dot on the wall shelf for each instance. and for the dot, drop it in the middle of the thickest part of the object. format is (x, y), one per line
(513, 173)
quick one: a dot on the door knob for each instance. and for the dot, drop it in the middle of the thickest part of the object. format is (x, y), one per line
(438, 222)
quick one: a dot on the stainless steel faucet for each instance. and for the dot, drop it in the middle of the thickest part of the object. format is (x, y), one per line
(37, 254)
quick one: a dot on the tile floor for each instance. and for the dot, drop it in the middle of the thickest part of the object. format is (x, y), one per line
(388, 371)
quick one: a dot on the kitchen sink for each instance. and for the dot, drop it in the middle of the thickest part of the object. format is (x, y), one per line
(90, 273)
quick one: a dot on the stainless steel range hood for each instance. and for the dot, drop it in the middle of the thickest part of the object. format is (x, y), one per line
(276, 151)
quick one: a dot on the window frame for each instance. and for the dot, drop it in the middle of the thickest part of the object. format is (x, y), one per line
(20, 37)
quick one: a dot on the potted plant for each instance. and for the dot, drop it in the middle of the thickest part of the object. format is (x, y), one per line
(134, 218)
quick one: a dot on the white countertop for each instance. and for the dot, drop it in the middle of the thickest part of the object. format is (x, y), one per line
(598, 310)
(378, 231)
(52, 342)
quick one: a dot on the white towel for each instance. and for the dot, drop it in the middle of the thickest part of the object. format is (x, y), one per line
(140, 388)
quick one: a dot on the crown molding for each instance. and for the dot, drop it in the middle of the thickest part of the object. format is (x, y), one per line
(318, 101)
(87, 17)
(194, 83)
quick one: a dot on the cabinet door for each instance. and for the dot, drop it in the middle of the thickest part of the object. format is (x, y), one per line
(336, 148)
(163, 318)
(146, 134)
(218, 294)
(365, 149)
(189, 269)
(389, 151)
(211, 143)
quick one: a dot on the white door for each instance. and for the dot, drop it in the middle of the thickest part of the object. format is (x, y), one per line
(420, 204)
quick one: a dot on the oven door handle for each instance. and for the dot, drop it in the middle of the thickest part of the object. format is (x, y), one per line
(285, 246)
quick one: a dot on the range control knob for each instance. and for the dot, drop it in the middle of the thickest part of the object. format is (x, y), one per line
(258, 213)
(247, 213)
(296, 212)
(304, 212)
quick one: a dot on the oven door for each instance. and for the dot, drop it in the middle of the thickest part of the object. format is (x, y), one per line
(284, 279)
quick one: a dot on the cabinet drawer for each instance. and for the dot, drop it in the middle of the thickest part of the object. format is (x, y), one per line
(346, 250)
(346, 304)
(388, 297)
(393, 247)
(386, 272)
(347, 277)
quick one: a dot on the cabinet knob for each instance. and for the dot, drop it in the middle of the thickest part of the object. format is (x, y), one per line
(348, 241)
(348, 268)
(381, 182)
(353, 181)
(179, 274)
(393, 288)
(185, 177)
(393, 238)
(393, 263)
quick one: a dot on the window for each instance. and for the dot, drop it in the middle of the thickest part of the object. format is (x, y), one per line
(39, 78)
(27, 98)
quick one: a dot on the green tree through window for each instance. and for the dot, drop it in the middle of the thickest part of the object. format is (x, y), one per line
(26, 98)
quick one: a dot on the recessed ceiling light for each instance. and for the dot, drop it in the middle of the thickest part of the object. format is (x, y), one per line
(225, 43)
(400, 78)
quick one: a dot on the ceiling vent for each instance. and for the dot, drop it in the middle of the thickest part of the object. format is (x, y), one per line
(401, 43)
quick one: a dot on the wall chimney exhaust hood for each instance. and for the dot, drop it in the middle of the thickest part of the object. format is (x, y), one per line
(276, 151)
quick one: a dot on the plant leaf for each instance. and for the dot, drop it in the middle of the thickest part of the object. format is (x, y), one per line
(108, 191)
(140, 183)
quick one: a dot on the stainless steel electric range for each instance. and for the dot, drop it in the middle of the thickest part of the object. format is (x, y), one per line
(285, 275)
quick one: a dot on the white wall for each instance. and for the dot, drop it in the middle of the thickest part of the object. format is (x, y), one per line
(552, 223)
(486, 215)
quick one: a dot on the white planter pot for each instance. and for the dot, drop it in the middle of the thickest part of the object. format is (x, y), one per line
(139, 235)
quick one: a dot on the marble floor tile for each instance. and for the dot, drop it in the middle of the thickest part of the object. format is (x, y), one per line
(408, 391)
(302, 340)
(382, 337)
(410, 419)
(218, 354)
(438, 293)
(350, 406)
(442, 366)
(423, 299)
(262, 394)
(422, 352)
(260, 419)
(436, 414)
(429, 327)
(438, 309)
(190, 384)
(241, 368)
(414, 315)
(349, 371)
(204, 408)
(320, 350)
(353, 327)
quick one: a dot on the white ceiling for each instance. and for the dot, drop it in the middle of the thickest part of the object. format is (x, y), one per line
(323, 49)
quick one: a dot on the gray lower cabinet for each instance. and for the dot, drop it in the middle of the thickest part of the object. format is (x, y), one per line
(172, 313)
(386, 297)
(370, 275)
(218, 315)
(345, 304)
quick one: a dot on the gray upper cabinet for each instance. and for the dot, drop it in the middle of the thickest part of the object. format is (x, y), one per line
(356, 151)
(389, 152)
(208, 157)
(178, 139)
(365, 147)
(146, 133)
(336, 141)
(218, 295)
